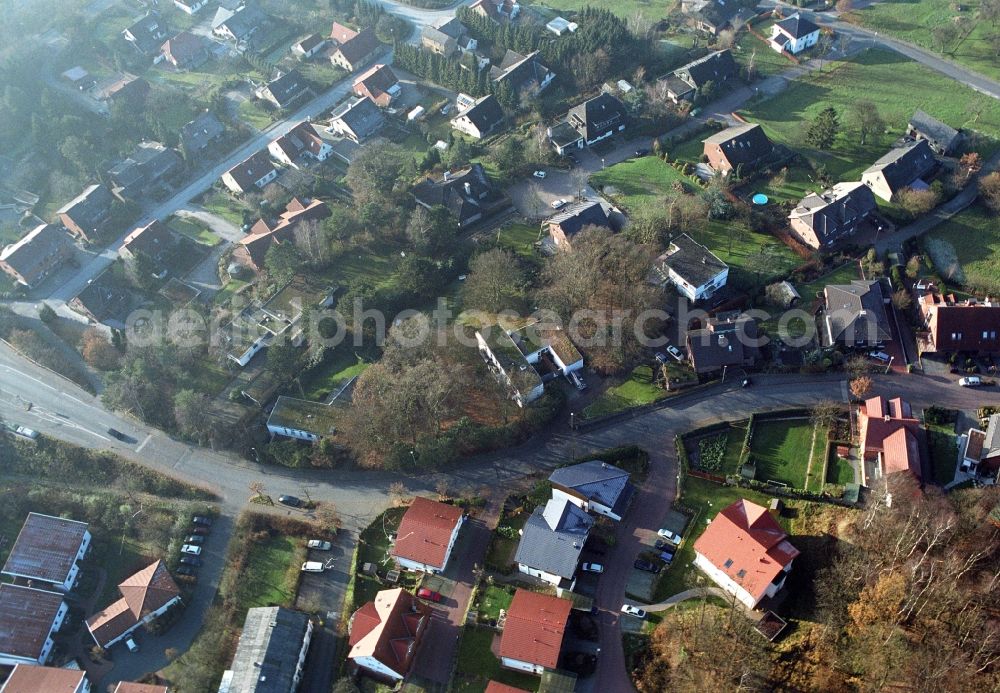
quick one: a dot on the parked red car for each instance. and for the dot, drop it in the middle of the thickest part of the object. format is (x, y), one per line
(429, 595)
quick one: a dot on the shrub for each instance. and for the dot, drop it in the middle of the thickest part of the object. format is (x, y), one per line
(711, 452)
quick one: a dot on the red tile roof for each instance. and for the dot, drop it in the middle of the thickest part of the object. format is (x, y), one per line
(26, 617)
(425, 531)
(494, 687)
(388, 629)
(28, 678)
(534, 629)
(901, 452)
(129, 687)
(880, 422)
(341, 33)
(142, 594)
(748, 545)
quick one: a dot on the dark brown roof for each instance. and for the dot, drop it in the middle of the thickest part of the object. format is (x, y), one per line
(26, 617)
(358, 47)
(29, 678)
(975, 327)
(46, 548)
(151, 239)
(31, 256)
(248, 172)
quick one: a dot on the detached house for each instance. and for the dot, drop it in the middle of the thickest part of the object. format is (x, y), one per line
(238, 25)
(694, 270)
(86, 213)
(185, 51)
(146, 34)
(145, 596)
(301, 419)
(386, 633)
(551, 542)
(822, 219)
(589, 122)
(41, 251)
(155, 240)
(306, 48)
(29, 618)
(301, 141)
(901, 168)
(197, 135)
(150, 163)
(468, 194)
(569, 221)
(741, 148)
(190, 6)
(727, 341)
(480, 120)
(31, 678)
(497, 10)
(942, 138)
(250, 175)
(357, 120)
(524, 359)
(855, 315)
(714, 16)
(271, 653)
(251, 250)
(684, 83)
(379, 83)
(594, 486)
(354, 49)
(426, 535)
(522, 72)
(981, 450)
(285, 90)
(47, 552)
(745, 552)
(533, 634)
(954, 326)
(891, 439)
(794, 34)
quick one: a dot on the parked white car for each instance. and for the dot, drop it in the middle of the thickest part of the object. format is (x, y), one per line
(593, 568)
(558, 204)
(970, 381)
(539, 174)
(633, 611)
(191, 550)
(26, 432)
(312, 567)
(669, 536)
(319, 544)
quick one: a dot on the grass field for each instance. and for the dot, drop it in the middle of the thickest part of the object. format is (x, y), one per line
(735, 435)
(904, 86)
(966, 249)
(374, 548)
(639, 182)
(221, 204)
(841, 275)
(195, 231)
(766, 61)
(492, 600)
(943, 445)
(319, 382)
(838, 470)
(255, 116)
(519, 238)
(816, 475)
(264, 581)
(781, 450)
(477, 665)
(914, 20)
(651, 9)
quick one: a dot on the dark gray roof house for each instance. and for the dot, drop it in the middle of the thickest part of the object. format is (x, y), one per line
(855, 314)
(692, 268)
(797, 26)
(822, 219)
(900, 168)
(597, 118)
(87, 212)
(357, 120)
(521, 71)
(685, 81)
(285, 90)
(149, 163)
(201, 132)
(468, 194)
(568, 222)
(727, 341)
(147, 34)
(239, 24)
(716, 15)
(271, 652)
(742, 146)
(595, 485)
(480, 120)
(942, 138)
(553, 538)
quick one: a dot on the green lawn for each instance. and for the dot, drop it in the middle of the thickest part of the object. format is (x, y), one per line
(766, 61)
(781, 450)
(639, 389)
(519, 238)
(816, 476)
(944, 453)
(966, 249)
(491, 600)
(651, 9)
(735, 434)
(221, 204)
(838, 470)
(792, 185)
(373, 547)
(265, 575)
(198, 232)
(841, 275)
(640, 182)
(477, 665)
(914, 20)
(903, 86)
(254, 115)
(345, 364)
(228, 291)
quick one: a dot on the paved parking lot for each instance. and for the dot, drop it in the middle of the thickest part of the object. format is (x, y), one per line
(323, 593)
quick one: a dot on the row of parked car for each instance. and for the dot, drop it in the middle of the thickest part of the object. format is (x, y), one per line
(666, 545)
(190, 559)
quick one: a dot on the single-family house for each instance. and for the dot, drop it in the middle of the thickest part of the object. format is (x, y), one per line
(726, 341)
(78, 78)
(357, 120)
(551, 542)
(981, 450)
(794, 34)
(468, 194)
(198, 134)
(301, 141)
(386, 633)
(148, 164)
(145, 596)
(379, 83)
(822, 219)
(594, 486)
(902, 167)
(497, 10)
(124, 89)
(190, 6)
(588, 123)
(740, 148)
(251, 250)
(354, 51)
(130, 687)
(891, 439)
(480, 120)
(250, 175)
(29, 617)
(155, 240)
(497, 687)
(533, 633)
(684, 83)
(146, 34)
(714, 16)
(285, 90)
(86, 213)
(942, 138)
(745, 552)
(694, 270)
(563, 226)
(953, 326)
(508, 364)
(30, 260)
(522, 72)
(309, 46)
(437, 41)
(561, 25)
(301, 419)
(426, 535)
(238, 25)
(855, 314)
(47, 552)
(185, 51)
(32, 678)
(271, 653)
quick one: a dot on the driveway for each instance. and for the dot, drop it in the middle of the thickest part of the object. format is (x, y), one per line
(323, 594)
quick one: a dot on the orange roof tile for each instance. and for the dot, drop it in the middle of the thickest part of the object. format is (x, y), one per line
(534, 629)
(29, 678)
(129, 687)
(149, 589)
(494, 687)
(901, 452)
(426, 530)
(388, 628)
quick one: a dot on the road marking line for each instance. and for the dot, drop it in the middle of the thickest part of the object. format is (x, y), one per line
(143, 444)
(25, 375)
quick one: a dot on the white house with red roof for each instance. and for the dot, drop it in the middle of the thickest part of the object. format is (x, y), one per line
(145, 596)
(890, 438)
(426, 535)
(533, 632)
(745, 552)
(385, 634)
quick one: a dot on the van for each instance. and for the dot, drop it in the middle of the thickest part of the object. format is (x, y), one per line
(130, 644)
(312, 567)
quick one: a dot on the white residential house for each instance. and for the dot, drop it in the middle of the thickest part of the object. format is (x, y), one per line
(301, 419)
(794, 34)
(29, 618)
(63, 543)
(594, 486)
(693, 269)
(190, 6)
(427, 535)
